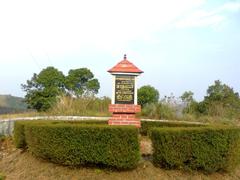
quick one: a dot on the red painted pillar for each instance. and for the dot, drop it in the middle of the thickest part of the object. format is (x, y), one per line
(124, 99)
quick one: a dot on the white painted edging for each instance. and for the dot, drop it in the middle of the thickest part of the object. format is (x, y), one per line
(175, 121)
(7, 125)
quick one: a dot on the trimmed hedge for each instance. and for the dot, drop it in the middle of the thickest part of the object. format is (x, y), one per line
(199, 148)
(146, 126)
(82, 144)
(19, 134)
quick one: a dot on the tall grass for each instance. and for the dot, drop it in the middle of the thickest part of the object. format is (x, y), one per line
(23, 114)
(159, 111)
(83, 106)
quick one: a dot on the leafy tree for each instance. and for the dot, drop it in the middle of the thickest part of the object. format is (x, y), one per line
(81, 81)
(43, 88)
(221, 100)
(147, 94)
(221, 92)
(191, 106)
(187, 97)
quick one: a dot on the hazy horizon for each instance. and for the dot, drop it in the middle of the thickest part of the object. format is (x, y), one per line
(180, 45)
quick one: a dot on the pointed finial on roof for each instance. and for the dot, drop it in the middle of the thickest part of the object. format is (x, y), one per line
(125, 56)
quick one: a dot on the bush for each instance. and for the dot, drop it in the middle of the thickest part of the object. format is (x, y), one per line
(198, 148)
(147, 95)
(19, 133)
(158, 111)
(82, 144)
(146, 126)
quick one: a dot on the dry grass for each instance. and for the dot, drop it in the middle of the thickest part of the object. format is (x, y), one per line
(17, 164)
(18, 115)
(82, 106)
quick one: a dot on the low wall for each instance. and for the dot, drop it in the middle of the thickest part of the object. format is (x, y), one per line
(7, 125)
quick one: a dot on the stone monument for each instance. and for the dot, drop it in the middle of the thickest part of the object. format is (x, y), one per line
(124, 95)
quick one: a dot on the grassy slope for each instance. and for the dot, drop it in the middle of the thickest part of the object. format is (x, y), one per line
(12, 102)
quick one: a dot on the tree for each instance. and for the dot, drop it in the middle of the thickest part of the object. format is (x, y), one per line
(81, 81)
(221, 100)
(147, 94)
(190, 105)
(187, 97)
(221, 92)
(43, 88)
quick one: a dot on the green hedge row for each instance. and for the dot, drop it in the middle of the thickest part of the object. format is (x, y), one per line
(81, 144)
(146, 126)
(19, 134)
(198, 148)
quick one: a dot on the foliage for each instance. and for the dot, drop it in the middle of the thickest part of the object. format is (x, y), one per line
(81, 81)
(147, 95)
(191, 106)
(82, 144)
(146, 126)
(199, 148)
(220, 101)
(19, 128)
(187, 97)
(158, 111)
(19, 134)
(44, 88)
(82, 106)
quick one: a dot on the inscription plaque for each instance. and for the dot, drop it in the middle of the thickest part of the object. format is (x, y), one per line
(124, 90)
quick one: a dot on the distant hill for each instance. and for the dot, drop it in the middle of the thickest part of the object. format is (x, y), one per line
(9, 104)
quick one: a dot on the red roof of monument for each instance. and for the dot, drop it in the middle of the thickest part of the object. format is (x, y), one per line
(125, 66)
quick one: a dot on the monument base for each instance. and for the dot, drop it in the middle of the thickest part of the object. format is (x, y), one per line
(124, 114)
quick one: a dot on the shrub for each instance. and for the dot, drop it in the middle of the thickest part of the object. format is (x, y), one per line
(147, 95)
(80, 144)
(87, 122)
(158, 111)
(19, 133)
(198, 148)
(146, 126)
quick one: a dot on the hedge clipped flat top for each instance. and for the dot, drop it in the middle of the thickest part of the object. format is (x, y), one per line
(79, 144)
(146, 126)
(205, 148)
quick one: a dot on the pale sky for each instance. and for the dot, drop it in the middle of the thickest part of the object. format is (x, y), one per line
(180, 45)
